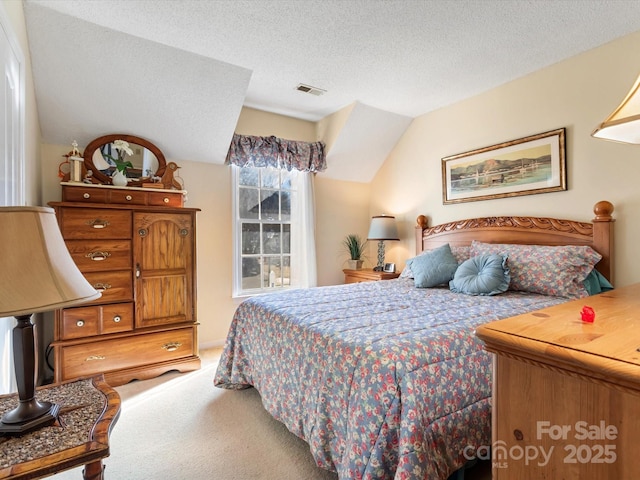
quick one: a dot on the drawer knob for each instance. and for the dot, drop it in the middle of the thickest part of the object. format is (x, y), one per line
(98, 256)
(129, 198)
(95, 357)
(101, 287)
(80, 323)
(86, 196)
(171, 347)
(117, 318)
(165, 200)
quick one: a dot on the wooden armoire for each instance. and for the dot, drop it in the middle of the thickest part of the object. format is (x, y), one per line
(138, 247)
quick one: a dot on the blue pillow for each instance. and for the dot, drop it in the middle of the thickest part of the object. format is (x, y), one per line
(482, 275)
(596, 283)
(434, 268)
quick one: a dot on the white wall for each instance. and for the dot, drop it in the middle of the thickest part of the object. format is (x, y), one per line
(576, 94)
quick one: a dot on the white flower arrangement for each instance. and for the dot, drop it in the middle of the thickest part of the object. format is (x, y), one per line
(123, 149)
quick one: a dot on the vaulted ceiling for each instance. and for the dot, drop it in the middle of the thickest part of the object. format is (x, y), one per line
(178, 72)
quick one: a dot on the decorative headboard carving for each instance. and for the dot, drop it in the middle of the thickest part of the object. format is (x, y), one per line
(526, 230)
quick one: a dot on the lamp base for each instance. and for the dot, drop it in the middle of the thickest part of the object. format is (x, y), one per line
(380, 265)
(28, 416)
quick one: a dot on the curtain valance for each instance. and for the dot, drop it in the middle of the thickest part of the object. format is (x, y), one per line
(253, 151)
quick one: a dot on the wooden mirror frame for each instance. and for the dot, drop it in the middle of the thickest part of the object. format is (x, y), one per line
(131, 139)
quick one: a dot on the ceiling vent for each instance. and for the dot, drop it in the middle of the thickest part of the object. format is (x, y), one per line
(309, 89)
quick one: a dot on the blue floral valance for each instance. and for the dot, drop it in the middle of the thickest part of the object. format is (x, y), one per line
(252, 151)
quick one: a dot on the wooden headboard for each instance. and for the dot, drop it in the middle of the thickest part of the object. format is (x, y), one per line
(526, 230)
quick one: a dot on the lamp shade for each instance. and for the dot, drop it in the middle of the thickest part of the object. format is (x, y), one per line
(37, 273)
(383, 227)
(623, 125)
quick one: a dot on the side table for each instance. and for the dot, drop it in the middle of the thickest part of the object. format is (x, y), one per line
(89, 409)
(366, 275)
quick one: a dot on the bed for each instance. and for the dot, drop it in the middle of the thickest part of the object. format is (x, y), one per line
(386, 380)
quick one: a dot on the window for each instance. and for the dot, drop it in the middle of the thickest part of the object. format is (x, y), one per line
(262, 213)
(12, 177)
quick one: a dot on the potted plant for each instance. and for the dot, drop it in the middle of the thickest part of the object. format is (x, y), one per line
(355, 248)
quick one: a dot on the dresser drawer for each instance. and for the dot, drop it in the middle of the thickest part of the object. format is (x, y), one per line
(166, 199)
(100, 255)
(79, 193)
(94, 223)
(116, 318)
(142, 349)
(131, 197)
(82, 322)
(114, 286)
(84, 194)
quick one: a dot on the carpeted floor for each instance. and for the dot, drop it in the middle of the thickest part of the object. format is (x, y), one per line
(179, 426)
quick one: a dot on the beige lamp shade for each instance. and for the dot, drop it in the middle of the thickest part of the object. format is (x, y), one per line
(623, 125)
(383, 227)
(37, 273)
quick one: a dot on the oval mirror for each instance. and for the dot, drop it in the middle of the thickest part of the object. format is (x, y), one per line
(147, 159)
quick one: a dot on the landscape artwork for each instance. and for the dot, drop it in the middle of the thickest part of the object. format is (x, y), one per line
(530, 165)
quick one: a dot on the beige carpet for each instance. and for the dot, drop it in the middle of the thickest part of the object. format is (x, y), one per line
(179, 426)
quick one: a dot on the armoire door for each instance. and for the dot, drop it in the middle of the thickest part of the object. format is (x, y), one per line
(163, 257)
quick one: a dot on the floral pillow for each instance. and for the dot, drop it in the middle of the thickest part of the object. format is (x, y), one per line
(550, 270)
(462, 253)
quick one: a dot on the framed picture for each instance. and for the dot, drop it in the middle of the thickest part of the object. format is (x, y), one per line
(389, 267)
(530, 165)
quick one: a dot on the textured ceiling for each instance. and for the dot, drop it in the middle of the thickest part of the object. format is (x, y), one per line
(179, 71)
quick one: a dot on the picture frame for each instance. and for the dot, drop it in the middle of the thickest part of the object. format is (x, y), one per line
(389, 268)
(526, 166)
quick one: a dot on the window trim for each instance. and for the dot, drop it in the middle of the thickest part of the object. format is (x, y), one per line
(18, 168)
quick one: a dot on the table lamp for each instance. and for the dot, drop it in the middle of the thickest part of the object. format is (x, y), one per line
(37, 274)
(383, 227)
(623, 125)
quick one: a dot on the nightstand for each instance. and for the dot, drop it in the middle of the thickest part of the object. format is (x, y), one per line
(366, 275)
(566, 393)
(89, 409)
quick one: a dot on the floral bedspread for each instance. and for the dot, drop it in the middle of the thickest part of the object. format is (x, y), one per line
(382, 379)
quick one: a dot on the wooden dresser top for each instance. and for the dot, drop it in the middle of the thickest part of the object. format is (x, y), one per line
(557, 336)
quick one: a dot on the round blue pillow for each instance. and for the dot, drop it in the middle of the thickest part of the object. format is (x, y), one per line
(482, 275)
